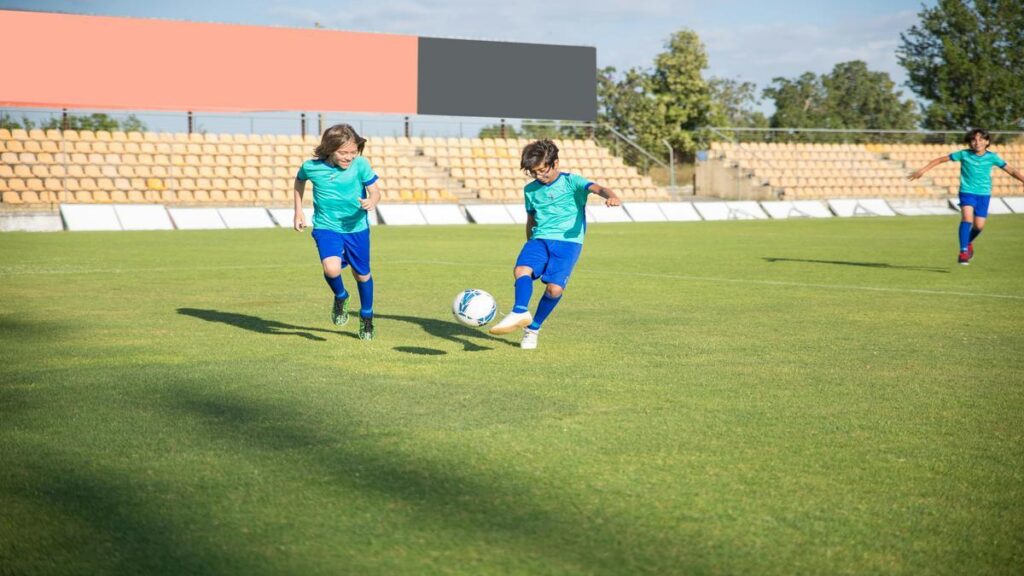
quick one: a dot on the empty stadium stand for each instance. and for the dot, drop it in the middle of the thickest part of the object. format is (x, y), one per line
(798, 171)
(49, 167)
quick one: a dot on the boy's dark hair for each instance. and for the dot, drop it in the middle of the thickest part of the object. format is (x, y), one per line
(537, 153)
(977, 131)
(335, 137)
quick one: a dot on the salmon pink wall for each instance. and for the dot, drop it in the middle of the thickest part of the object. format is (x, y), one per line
(71, 61)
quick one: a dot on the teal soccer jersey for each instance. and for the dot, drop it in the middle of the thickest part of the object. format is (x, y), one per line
(976, 171)
(559, 208)
(336, 193)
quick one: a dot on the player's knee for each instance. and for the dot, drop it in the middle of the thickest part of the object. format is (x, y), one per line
(332, 269)
(361, 277)
(554, 290)
(521, 271)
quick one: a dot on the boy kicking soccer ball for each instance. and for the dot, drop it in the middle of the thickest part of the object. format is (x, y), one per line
(555, 226)
(975, 186)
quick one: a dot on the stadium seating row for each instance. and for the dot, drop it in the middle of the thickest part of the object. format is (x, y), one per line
(75, 166)
(801, 170)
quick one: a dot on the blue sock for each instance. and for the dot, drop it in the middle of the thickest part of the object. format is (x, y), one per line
(337, 286)
(524, 290)
(974, 233)
(965, 235)
(544, 308)
(365, 297)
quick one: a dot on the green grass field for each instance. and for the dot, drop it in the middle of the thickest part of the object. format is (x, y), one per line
(775, 397)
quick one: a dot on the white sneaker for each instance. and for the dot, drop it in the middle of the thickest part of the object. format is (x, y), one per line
(529, 339)
(512, 322)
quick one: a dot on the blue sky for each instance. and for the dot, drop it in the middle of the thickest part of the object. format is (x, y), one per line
(748, 40)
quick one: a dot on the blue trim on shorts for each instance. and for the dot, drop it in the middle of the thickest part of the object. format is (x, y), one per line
(551, 260)
(352, 247)
(977, 201)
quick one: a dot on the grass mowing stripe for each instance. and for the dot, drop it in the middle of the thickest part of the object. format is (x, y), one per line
(581, 271)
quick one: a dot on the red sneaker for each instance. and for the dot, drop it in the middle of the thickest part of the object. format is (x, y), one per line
(970, 251)
(964, 258)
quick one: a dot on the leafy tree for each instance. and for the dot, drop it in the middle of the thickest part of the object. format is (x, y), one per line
(851, 97)
(10, 123)
(859, 98)
(98, 121)
(733, 104)
(494, 131)
(669, 102)
(799, 102)
(965, 57)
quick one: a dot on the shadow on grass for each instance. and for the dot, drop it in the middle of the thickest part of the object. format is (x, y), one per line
(449, 330)
(260, 325)
(486, 503)
(89, 520)
(883, 265)
(114, 514)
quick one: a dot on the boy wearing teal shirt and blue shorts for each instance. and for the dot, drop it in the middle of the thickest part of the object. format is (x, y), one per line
(975, 187)
(555, 227)
(344, 191)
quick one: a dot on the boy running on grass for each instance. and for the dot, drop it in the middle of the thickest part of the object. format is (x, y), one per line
(975, 186)
(344, 192)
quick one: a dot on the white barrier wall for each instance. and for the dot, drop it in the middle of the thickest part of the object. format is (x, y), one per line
(644, 212)
(156, 217)
(246, 218)
(1015, 203)
(400, 215)
(601, 214)
(782, 209)
(196, 218)
(995, 205)
(860, 207)
(442, 214)
(489, 214)
(143, 217)
(285, 217)
(87, 217)
(679, 211)
(730, 210)
(517, 212)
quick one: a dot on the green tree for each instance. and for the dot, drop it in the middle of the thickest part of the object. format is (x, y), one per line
(858, 98)
(494, 131)
(799, 102)
(96, 122)
(9, 123)
(733, 103)
(965, 58)
(669, 102)
(850, 97)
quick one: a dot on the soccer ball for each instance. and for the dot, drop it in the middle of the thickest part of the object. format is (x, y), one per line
(474, 307)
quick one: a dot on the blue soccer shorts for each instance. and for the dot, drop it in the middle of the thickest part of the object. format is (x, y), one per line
(352, 247)
(551, 260)
(978, 201)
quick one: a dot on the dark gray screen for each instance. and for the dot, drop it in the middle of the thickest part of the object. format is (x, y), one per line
(507, 80)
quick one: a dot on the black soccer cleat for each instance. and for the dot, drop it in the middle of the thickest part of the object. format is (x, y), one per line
(366, 327)
(339, 314)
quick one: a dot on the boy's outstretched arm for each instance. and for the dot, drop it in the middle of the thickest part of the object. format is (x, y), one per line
(1014, 172)
(610, 197)
(930, 165)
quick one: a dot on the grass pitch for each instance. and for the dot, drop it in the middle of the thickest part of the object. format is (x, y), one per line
(741, 397)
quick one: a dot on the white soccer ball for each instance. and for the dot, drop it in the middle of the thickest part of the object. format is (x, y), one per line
(474, 307)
